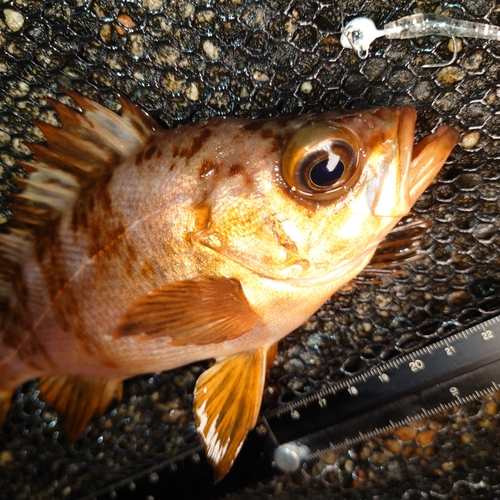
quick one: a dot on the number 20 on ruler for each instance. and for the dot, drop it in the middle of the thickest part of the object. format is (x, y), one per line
(417, 365)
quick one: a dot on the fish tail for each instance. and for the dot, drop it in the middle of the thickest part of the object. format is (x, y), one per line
(89, 145)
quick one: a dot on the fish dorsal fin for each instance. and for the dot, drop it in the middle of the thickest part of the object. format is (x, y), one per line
(199, 311)
(227, 400)
(90, 144)
(78, 399)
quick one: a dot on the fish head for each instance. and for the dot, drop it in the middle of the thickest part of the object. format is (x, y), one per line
(315, 212)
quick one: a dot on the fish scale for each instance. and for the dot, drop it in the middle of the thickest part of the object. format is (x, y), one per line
(349, 336)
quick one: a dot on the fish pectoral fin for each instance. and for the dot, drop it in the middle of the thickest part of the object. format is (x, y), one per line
(78, 399)
(199, 311)
(227, 399)
(401, 245)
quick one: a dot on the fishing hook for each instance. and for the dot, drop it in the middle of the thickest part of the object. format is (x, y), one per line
(359, 33)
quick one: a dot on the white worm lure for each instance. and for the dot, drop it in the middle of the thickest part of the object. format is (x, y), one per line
(359, 33)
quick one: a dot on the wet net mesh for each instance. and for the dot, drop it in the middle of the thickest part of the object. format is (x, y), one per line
(186, 61)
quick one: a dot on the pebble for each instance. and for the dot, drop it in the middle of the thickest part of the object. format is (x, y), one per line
(14, 19)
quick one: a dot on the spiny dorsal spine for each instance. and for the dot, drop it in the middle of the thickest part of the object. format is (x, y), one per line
(89, 144)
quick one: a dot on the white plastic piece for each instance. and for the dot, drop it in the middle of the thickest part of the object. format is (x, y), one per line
(359, 33)
(290, 457)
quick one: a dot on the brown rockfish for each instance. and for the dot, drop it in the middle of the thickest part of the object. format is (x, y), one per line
(136, 249)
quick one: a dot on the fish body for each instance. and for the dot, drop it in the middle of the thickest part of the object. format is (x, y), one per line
(157, 248)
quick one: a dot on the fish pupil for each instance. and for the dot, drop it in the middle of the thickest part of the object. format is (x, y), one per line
(327, 172)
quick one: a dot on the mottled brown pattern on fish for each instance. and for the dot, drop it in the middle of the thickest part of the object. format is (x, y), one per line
(95, 197)
(146, 270)
(139, 158)
(79, 219)
(197, 143)
(279, 142)
(93, 214)
(278, 139)
(266, 133)
(253, 126)
(150, 151)
(51, 259)
(208, 166)
(130, 262)
(100, 194)
(235, 169)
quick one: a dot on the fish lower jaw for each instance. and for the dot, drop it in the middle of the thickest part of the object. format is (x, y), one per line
(340, 275)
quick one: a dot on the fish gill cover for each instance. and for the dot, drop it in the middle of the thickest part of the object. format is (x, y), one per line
(187, 61)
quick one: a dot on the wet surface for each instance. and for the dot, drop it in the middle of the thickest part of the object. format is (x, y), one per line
(188, 61)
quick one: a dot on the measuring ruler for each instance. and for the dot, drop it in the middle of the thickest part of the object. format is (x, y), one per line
(456, 370)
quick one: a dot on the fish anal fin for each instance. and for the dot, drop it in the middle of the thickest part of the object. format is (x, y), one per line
(199, 311)
(78, 399)
(5, 400)
(227, 400)
(271, 355)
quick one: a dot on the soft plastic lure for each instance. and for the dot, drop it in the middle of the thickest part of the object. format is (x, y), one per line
(359, 33)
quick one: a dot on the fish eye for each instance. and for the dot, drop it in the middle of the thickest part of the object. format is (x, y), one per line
(324, 169)
(326, 172)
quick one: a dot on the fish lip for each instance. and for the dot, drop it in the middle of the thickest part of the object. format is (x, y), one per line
(417, 165)
(428, 156)
(392, 192)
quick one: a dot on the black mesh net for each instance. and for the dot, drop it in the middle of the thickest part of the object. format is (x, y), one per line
(186, 61)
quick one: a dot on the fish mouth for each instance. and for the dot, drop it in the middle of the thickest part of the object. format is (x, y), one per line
(400, 182)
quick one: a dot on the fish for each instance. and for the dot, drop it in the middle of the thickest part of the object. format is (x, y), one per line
(136, 249)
